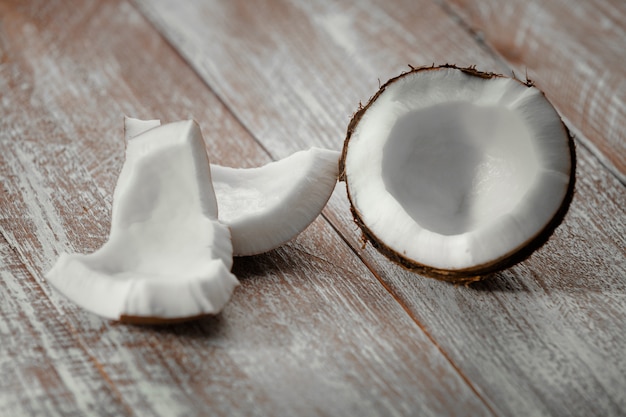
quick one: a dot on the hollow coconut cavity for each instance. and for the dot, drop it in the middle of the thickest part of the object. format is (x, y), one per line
(456, 173)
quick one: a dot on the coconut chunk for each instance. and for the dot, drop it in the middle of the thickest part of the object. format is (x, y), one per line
(167, 258)
(456, 173)
(267, 206)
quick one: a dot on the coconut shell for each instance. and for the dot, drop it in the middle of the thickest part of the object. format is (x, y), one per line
(478, 272)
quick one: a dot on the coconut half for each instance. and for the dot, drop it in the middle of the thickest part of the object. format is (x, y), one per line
(456, 173)
(167, 258)
(267, 206)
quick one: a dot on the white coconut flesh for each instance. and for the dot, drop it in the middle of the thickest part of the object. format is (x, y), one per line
(454, 171)
(167, 256)
(265, 207)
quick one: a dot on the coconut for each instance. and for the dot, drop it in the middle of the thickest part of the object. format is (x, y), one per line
(167, 258)
(169, 253)
(456, 173)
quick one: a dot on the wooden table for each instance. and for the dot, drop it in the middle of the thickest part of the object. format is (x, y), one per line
(322, 325)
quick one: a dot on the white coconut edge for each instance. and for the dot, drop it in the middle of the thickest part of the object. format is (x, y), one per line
(167, 256)
(528, 199)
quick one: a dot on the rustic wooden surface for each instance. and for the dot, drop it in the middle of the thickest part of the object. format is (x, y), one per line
(321, 326)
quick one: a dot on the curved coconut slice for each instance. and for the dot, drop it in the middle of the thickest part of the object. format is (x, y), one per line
(267, 206)
(167, 257)
(457, 173)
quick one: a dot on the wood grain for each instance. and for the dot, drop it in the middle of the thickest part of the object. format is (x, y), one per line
(45, 370)
(311, 331)
(575, 52)
(544, 338)
(321, 326)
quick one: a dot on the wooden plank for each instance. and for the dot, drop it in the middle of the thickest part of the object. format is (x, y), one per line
(575, 52)
(543, 338)
(45, 370)
(310, 330)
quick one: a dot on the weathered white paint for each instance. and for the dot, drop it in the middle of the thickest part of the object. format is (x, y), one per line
(341, 29)
(310, 313)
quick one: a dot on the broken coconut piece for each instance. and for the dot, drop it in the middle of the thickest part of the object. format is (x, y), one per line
(456, 173)
(167, 257)
(267, 206)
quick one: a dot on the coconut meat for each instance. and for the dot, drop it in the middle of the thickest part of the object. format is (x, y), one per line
(167, 256)
(267, 206)
(453, 171)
